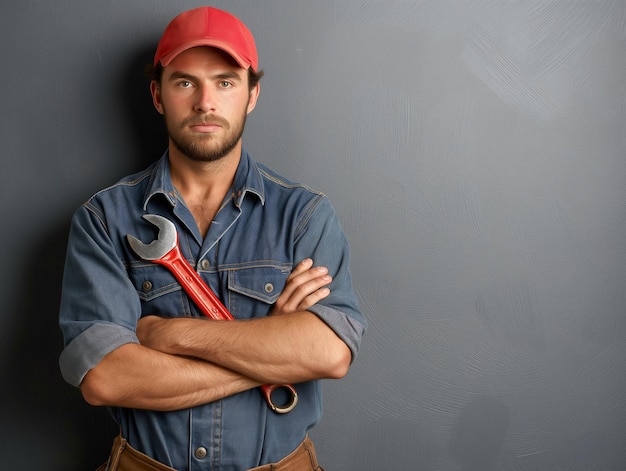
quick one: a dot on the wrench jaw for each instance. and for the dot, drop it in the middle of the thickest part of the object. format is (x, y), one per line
(157, 249)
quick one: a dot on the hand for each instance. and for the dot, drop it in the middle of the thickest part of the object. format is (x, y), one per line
(306, 285)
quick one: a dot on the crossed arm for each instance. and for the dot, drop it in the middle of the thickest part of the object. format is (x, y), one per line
(184, 362)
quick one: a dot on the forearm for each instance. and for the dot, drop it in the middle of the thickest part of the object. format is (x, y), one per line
(289, 348)
(138, 377)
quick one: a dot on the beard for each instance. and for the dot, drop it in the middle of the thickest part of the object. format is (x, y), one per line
(202, 147)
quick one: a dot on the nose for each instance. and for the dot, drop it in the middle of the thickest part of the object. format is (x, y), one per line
(205, 99)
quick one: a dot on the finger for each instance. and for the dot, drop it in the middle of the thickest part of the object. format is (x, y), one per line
(293, 299)
(309, 287)
(300, 268)
(301, 276)
(313, 298)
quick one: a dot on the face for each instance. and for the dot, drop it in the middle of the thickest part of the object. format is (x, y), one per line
(204, 98)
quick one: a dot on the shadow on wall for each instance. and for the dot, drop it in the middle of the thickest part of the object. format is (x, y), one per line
(70, 435)
(145, 124)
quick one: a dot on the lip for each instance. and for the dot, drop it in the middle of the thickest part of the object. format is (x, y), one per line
(205, 127)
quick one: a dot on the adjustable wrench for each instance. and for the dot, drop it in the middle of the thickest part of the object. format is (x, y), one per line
(166, 251)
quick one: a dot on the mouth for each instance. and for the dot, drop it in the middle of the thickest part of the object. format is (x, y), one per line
(210, 125)
(205, 127)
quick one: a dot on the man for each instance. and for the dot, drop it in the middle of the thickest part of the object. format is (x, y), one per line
(184, 389)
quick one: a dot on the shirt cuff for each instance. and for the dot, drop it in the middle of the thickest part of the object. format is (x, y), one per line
(348, 329)
(91, 346)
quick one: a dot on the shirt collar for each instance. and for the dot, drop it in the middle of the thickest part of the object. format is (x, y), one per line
(248, 179)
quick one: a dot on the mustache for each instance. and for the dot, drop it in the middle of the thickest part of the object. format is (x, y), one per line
(205, 120)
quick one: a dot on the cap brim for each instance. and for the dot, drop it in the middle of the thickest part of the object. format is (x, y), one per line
(167, 58)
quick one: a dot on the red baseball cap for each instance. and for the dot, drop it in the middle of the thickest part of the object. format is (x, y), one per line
(208, 26)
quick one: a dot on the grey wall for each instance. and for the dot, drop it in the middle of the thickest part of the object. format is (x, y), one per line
(475, 152)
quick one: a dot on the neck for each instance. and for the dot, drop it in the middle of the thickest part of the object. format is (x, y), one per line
(203, 185)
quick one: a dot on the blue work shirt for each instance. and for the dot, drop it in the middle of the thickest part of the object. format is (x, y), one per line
(264, 228)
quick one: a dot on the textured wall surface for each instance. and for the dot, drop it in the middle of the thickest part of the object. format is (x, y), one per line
(475, 152)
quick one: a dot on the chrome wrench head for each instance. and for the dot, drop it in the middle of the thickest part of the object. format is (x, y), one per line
(165, 241)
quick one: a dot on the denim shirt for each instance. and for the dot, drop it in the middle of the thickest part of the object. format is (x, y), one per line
(263, 229)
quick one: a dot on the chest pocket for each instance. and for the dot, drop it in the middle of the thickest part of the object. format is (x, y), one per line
(158, 290)
(253, 291)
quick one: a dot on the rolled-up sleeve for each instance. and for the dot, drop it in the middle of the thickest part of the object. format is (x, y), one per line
(86, 350)
(319, 236)
(99, 306)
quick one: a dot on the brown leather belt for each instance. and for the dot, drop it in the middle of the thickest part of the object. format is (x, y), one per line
(126, 458)
(302, 458)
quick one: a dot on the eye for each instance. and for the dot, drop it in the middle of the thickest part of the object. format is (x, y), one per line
(225, 84)
(185, 84)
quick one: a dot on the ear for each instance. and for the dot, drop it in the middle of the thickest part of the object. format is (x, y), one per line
(155, 90)
(254, 96)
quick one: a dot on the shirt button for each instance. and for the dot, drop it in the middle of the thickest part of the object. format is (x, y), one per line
(146, 286)
(205, 264)
(200, 452)
(269, 287)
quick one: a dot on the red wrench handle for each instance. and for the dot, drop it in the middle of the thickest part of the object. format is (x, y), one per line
(196, 288)
(212, 307)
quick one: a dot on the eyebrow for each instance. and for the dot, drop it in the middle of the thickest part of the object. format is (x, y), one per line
(220, 76)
